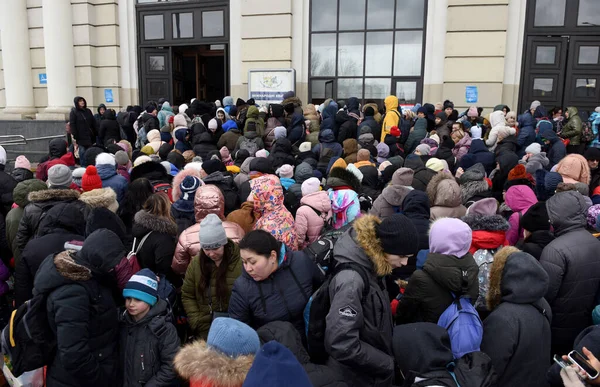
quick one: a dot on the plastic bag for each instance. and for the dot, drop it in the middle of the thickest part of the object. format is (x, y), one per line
(28, 379)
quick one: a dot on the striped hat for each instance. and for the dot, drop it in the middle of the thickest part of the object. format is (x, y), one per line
(142, 286)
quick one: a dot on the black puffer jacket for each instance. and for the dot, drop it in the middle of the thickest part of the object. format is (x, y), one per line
(281, 153)
(148, 347)
(64, 222)
(571, 261)
(277, 298)
(82, 312)
(347, 121)
(204, 146)
(284, 333)
(422, 175)
(428, 292)
(40, 202)
(84, 127)
(516, 335)
(225, 184)
(535, 243)
(154, 172)
(109, 128)
(157, 251)
(7, 185)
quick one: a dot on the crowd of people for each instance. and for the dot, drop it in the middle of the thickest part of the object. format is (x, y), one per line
(200, 224)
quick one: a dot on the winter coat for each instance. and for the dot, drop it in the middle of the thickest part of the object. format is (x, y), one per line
(21, 174)
(273, 217)
(416, 208)
(251, 136)
(204, 146)
(165, 112)
(62, 223)
(197, 306)
(58, 154)
(594, 121)
(371, 123)
(244, 217)
(280, 297)
(148, 347)
(40, 202)
(148, 122)
(7, 185)
(183, 212)
(419, 132)
(229, 139)
(225, 183)
(518, 198)
(358, 334)
(345, 203)
(478, 153)
(302, 173)
(506, 161)
(82, 312)
(493, 139)
(253, 116)
(429, 291)
(390, 201)
(557, 150)
(526, 137)
(297, 130)
(182, 145)
(422, 175)
(445, 197)
(516, 335)
(110, 179)
(462, 147)
(327, 149)
(350, 150)
(242, 177)
(367, 141)
(571, 263)
(157, 251)
(348, 120)
(572, 129)
(309, 223)
(392, 116)
(535, 162)
(208, 200)
(84, 127)
(109, 128)
(281, 153)
(535, 243)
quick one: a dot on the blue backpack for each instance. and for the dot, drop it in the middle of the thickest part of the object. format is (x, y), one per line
(463, 324)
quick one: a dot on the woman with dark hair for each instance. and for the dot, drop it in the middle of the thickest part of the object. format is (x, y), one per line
(276, 282)
(210, 276)
(136, 195)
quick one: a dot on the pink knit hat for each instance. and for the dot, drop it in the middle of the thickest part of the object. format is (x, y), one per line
(286, 170)
(22, 162)
(473, 112)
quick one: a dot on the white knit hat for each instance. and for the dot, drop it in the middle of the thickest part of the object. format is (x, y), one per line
(105, 159)
(534, 148)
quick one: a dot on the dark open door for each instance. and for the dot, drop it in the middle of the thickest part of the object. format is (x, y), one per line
(582, 89)
(544, 77)
(156, 74)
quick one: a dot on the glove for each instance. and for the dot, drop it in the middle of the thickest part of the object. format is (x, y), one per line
(570, 377)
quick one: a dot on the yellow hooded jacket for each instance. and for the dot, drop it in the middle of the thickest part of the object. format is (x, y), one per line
(392, 116)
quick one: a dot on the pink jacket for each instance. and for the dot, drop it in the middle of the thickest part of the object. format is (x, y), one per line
(518, 198)
(208, 200)
(308, 224)
(462, 147)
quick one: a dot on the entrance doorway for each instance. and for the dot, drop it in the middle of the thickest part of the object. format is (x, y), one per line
(182, 73)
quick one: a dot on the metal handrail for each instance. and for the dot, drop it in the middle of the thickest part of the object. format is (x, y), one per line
(17, 139)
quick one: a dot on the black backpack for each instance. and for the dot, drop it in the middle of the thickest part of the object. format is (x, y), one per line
(472, 370)
(28, 343)
(321, 250)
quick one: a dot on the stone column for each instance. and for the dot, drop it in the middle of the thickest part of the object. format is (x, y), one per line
(17, 61)
(60, 58)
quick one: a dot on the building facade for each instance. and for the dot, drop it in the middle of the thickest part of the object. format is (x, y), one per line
(124, 52)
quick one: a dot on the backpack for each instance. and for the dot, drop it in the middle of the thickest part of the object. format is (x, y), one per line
(325, 157)
(129, 264)
(472, 370)
(463, 324)
(484, 259)
(28, 343)
(318, 306)
(587, 135)
(250, 145)
(165, 188)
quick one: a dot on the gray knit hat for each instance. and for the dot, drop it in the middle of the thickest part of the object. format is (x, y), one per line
(59, 176)
(121, 158)
(77, 175)
(212, 233)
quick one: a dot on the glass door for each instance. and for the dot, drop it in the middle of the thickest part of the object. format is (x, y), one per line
(408, 91)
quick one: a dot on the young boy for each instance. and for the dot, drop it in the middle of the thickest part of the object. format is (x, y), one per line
(148, 341)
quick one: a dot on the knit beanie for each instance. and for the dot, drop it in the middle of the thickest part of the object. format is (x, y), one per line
(435, 138)
(591, 153)
(403, 176)
(141, 160)
(90, 179)
(280, 132)
(534, 105)
(121, 158)
(310, 185)
(59, 176)
(147, 150)
(449, 236)
(340, 163)
(398, 235)
(105, 159)
(232, 338)
(476, 132)
(448, 104)
(472, 112)
(518, 172)
(225, 154)
(263, 153)
(262, 165)
(22, 162)
(363, 155)
(305, 146)
(395, 131)
(212, 166)
(212, 234)
(91, 153)
(286, 171)
(536, 218)
(435, 164)
(77, 175)
(534, 148)
(213, 125)
(486, 207)
(423, 149)
(142, 286)
(275, 365)
(384, 165)
(188, 187)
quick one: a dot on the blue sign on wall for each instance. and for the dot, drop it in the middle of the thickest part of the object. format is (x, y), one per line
(108, 95)
(43, 78)
(471, 94)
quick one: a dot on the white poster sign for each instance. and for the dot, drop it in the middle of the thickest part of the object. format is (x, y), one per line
(269, 85)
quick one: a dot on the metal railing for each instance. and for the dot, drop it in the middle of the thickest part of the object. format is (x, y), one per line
(17, 139)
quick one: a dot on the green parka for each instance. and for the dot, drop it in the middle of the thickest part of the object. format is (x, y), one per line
(572, 129)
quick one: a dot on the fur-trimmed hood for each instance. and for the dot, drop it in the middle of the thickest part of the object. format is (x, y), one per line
(516, 277)
(176, 193)
(486, 222)
(340, 176)
(444, 191)
(154, 223)
(198, 363)
(101, 197)
(53, 194)
(362, 246)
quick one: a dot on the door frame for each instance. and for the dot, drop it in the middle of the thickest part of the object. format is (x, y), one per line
(148, 76)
